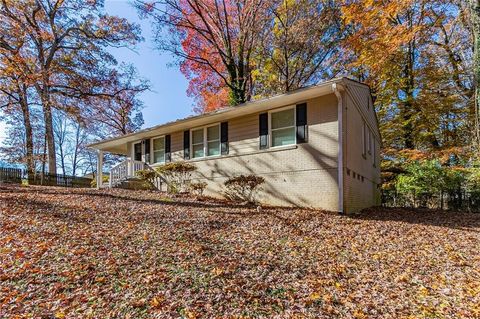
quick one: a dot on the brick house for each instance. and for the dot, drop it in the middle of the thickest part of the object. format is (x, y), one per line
(316, 147)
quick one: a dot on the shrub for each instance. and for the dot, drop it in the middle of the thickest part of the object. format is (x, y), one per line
(428, 183)
(146, 174)
(421, 181)
(105, 179)
(243, 187)
(148, 177)
(198, 188)
(177, 175)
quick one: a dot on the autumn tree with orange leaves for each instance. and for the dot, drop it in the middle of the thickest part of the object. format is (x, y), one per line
(214, 41)
(57, 49)
(232, 51)
(416, 55)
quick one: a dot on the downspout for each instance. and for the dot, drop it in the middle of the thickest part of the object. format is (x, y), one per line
(336, 89)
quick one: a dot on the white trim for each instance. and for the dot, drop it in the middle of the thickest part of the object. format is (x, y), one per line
(99, 169)
(205, 140)
(335, 89)
(285, 108)
(152, 150)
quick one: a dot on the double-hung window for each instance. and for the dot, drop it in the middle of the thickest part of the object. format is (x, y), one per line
(206, 141)
(158, 148)
(282, 127)
(198, 143)
(213, 140)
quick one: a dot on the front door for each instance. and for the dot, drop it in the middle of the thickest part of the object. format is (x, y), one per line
(137, 151)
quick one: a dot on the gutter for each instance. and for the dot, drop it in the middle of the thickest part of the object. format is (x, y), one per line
(336, 89)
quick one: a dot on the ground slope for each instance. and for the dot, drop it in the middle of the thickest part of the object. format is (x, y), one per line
(132, 254)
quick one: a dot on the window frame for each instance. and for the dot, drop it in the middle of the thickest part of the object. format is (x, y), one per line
(142, 152)
(152, 150)
(206, 141)
(294, 126)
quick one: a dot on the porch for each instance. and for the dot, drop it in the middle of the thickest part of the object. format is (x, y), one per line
(125, 171)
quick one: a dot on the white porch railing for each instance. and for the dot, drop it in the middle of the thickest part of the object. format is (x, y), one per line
(124, 170)
(128, 169)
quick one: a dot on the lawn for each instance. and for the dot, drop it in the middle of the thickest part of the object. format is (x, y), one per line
(134, 254)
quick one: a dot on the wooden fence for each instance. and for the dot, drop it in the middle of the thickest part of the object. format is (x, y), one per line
(10, 175)
(60, 180)
(15, 175)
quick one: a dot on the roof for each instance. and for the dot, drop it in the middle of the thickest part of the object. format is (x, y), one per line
(119, 144)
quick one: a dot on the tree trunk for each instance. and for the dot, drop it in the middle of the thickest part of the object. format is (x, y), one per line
(475, 17)
(409, 104)
(60, 129)
(28, 132)
(52, 161)
(49, 136)
(44, 159)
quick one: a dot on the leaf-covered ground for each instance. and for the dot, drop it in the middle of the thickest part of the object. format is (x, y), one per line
(133, 254)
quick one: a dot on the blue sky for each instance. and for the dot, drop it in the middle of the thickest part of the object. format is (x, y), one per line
(167, 100)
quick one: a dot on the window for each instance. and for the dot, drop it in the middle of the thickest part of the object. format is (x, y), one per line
(282, 127)
(206, 140)
(158, 150)
(197, 143)
(213, 140)
(137, 151)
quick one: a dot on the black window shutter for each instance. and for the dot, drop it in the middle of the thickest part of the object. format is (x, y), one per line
(168, 155)
(186, 145)
(224, 138)
(263, 123)
(147, 151)
(302, 130)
